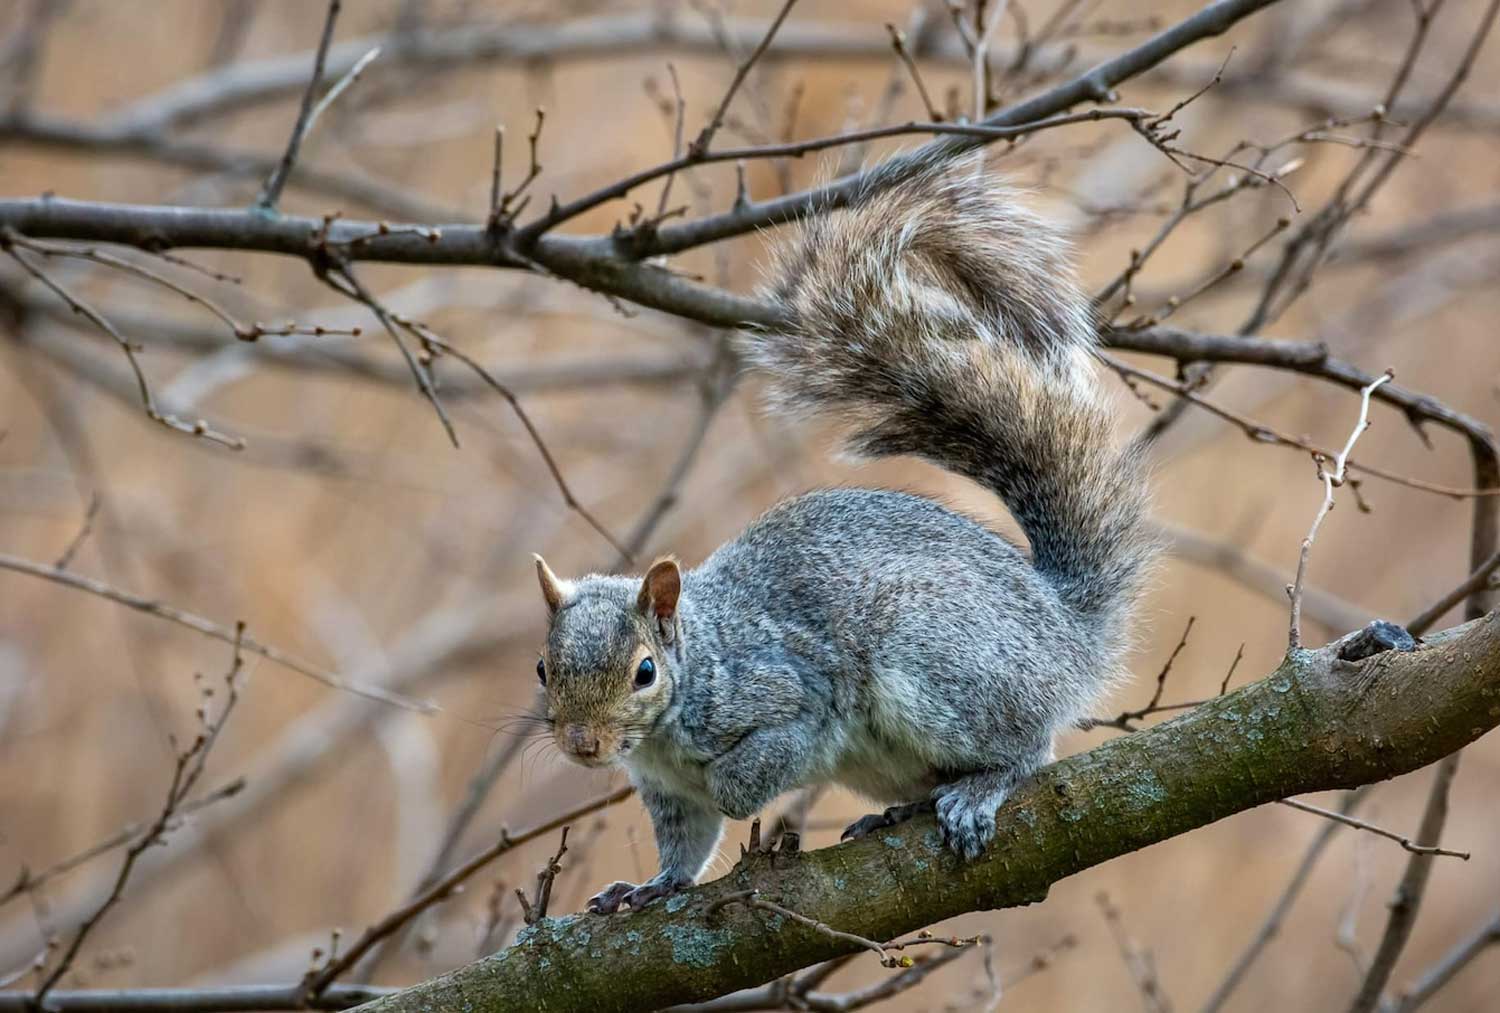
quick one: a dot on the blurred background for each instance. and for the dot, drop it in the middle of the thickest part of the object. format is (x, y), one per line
(351, 534)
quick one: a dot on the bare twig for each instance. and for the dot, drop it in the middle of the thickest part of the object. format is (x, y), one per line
(494, 215)
(1430, 981)
(752, 898)
(898, 43)
(1271, 926)
(1349, 821)
(1153, 706)
(1238, 657)
(338, 89)
(1331, 481)
(186, 772)
(207, 627)
(1138, 959)
(1408, 898)
(66, 558)
(796, 149)
(705, 137)
(320, 979)
(242, 331)
(270, 194)
(1262, 433)
(342, 279)
(535, 910)
(28, 881)
(513, 202)
(430, 339)
(199, 428)
(1476, 581)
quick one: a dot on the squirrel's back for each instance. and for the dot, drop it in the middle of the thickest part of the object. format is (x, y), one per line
(939, 317)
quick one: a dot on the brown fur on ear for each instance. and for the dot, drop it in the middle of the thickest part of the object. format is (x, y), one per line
(555, 592)
(660, 589)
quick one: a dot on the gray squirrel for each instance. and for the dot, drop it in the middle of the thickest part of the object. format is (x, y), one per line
(871, 638)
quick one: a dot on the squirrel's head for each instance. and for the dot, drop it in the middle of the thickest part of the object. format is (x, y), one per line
(606, 669)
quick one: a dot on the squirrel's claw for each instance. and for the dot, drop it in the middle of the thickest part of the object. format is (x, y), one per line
(866, 825)
(613, 897)
(608, 900)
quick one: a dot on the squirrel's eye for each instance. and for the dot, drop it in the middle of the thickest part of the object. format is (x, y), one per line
(646, 674)
(541, 671)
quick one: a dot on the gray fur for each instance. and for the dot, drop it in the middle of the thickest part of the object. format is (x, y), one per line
(876, 639)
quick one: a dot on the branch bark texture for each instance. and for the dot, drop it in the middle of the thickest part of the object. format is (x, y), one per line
(1316, 723)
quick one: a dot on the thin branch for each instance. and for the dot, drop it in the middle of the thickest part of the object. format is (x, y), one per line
(242, 331)
(322, 978)
(494, 215)
(338, 89)
(1331, 480)
(187, 770)
(796, 149)
(198, 428)
(898, 43)
(705, 137)
(450, 48)
(342, 279)
(1239, 656)
(1447, 967)
(1271, 926)
(1407, 901)
(513, 202)
(207, 627)
(270, 194)
(535, 910)
(574, 504)
(1476, 581)
(753, 899)
(1349, 821)
(209, 999)
(1336, 614)
(1138, 959)
(1259, 432)
(29, 882)
(1153, 706)
(64, 560)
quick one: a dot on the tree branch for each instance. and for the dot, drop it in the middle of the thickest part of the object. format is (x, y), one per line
(446, 49)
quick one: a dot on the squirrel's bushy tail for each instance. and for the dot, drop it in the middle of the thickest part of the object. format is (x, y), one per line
(940, 318)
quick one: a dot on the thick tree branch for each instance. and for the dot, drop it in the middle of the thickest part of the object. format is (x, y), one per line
(1315, 724)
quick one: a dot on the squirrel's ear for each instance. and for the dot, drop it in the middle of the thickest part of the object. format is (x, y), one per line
(660, 589)
(555, 592)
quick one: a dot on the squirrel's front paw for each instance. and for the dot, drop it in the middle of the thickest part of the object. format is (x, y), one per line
(967, 824)
(613, 897)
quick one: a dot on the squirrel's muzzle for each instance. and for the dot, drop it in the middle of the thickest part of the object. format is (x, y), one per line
(580, 742)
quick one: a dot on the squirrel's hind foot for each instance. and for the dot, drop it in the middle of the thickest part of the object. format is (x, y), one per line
(866, 825)
(966, 809)
(622, 894)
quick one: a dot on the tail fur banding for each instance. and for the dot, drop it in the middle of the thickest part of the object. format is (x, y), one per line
(939, 317)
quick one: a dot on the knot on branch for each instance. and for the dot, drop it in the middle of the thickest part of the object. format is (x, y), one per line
(1378, 637)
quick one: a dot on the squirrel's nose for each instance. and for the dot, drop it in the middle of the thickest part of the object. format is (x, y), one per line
(581, 741)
